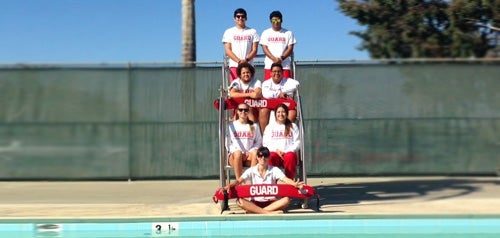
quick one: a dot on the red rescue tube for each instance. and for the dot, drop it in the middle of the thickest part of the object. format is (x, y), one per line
(271, 103)
(265, 190)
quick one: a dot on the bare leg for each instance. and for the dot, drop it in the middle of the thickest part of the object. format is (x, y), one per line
(233, 118)
(252, 156)
(263, 118)
(292, 115)
(251, 115)
(252, 208)
(236, 161)
(278, 205)
(247, 161)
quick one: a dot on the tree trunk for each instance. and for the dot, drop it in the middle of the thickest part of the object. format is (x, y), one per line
(188, 33)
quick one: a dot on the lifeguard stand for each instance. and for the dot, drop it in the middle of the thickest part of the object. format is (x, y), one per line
(225, 103)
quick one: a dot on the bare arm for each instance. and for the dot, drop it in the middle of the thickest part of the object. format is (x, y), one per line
(230, 53)
(253, 52)
(233, 183)
(288, 51)
(234, 93)
(297, 184)
(269, 55)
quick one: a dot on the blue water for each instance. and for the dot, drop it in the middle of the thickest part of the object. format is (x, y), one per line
(276, 226)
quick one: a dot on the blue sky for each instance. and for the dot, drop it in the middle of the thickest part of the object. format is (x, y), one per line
(149, 31)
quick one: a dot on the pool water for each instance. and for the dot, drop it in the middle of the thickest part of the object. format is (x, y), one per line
(258, 226)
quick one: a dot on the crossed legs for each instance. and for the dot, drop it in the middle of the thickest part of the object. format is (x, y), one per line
(275, 207)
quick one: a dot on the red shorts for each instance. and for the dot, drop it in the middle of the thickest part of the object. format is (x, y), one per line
(263, 204)
(286, 74)
(232, 74)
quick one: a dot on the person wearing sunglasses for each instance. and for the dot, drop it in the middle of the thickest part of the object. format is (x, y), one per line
(243, 138)
(246, 86)
(240, 42)
(277, 44)
(282, 139)
(263, 173)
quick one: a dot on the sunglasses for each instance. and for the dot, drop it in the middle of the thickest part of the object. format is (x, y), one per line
(240, 16)
(243, 109)
(275, 20)
(262, 156)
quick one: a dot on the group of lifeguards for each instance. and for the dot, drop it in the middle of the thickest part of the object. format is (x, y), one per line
(251, 139)
(245, 135)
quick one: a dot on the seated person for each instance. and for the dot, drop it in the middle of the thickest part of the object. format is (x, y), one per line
(282, 139)
(243, 138)
(262, 173)
(246, 86)
(277, 87)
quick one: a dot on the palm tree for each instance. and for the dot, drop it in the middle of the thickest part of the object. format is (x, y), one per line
(188, 33)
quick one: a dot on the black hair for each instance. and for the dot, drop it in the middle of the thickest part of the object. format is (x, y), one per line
(275, 14)
(263, 152)
(241, 11)
(245, 65)
(288, 123)
(277, 65)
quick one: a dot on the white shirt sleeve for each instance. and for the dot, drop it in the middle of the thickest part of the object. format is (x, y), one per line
(264, 37)
(267, 91)
(226, 37)
(257, 84)
(296, 139)
(278, 174)
(234, 84)
(256, 37)
(266, 138)
(290, 86)
(229, 137)
(257, 141)
(247, 174)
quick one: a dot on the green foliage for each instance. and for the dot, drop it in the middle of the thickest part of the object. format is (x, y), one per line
(424, 28)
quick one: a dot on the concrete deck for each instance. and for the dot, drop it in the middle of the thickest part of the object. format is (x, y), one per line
(193, 198)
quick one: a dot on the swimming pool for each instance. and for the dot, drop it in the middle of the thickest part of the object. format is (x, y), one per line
(260, 226)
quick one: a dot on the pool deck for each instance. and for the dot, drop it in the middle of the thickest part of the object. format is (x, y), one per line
(193, 198)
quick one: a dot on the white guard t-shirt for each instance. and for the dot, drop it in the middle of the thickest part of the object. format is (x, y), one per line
(277, 42)
(272, 90)
(240, 137)
(245, 88)
(274, 138)
(241, 42)
(273, 174)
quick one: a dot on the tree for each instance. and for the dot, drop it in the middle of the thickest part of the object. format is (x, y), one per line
(423, 28)
(188, 33)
